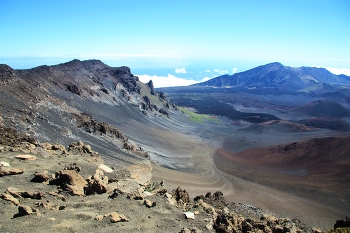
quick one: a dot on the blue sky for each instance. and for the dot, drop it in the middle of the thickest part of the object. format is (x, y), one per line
(177, 42)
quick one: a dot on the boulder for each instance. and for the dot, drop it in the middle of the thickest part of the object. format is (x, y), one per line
(4, 164)
(25, 194)
(23, 210)
(6, 171)
(115, 217)
(40, 177)
(189, 215)
(127, 186)
(9, 197)
(70, 181)
(149, 203)
(141, 172)
(96, 183)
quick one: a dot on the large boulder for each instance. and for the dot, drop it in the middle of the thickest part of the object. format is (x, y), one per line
(141, 172)
(96, 183)
(70, 181)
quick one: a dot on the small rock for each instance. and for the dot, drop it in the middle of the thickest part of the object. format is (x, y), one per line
(9, 197)
(196, 212)
(73, 167)
(149, 203)
(105, 168)
(6, 171)
(99, 217)
(52, 219)
(4, 164)
(115, 217)
(26, 157)
(189, 215)
(316, 230)
(146, 193)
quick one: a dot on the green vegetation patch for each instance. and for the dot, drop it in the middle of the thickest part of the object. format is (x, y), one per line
(196, 117)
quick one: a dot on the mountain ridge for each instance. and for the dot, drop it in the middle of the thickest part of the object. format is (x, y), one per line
(276, 75)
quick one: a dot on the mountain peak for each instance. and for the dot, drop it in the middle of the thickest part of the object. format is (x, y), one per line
(274, 64)
(275, 75)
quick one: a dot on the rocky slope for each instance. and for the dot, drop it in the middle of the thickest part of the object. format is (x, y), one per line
(45, 187)
(79, 100)
(61, 125)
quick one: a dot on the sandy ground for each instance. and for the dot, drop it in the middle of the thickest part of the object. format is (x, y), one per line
(283, 203)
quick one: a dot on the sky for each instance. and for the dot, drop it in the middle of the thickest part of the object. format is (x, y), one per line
(177, 43)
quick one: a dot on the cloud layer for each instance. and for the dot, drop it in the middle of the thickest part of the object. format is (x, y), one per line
(339, 71)
(180, 70)
(169, 81)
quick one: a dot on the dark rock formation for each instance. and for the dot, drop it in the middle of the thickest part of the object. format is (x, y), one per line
(162, 111)
(342, 223)
(180, 195)
(74, 89)
(162, 95)
(151, 87)
(90, 125)
(10, 137)
(148, 104)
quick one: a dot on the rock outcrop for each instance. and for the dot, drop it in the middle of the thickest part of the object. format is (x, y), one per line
(70, 181)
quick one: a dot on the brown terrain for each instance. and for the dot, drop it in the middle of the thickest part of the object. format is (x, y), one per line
(46, 188)
(316, 170)
(275, 176)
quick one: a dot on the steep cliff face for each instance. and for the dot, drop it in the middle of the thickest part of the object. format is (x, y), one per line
(44, 102)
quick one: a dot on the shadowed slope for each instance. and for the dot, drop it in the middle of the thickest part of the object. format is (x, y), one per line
(315, 169)
(323, 108)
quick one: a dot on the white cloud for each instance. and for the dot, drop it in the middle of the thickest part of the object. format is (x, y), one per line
(180, 70)
(169, 81)
(207, 71)
(234, 70)
(220, 71)
(336, 70)
(339, 71)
